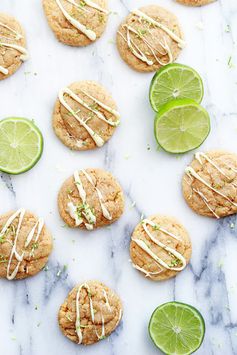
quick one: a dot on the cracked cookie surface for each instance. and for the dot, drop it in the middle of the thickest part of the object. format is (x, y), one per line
(106, 307)
(215, 195)
(10, 58)
(165, 48)
(87, 16)
(69, 130)
(78, 213)
(34, 256)
(168, 233)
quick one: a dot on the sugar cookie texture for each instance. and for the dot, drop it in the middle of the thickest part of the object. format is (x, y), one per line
(77, 23)
(160, 247)
(85, 115)
(25, 244)
(210, 184)
(13, 50)
(89, 199)
(149, 38)
(91, 312)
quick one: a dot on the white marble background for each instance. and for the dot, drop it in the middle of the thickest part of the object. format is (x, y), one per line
(150, 178)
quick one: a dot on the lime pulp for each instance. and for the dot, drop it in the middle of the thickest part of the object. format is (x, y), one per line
(177, 328)
(175, 81)
(21, 145)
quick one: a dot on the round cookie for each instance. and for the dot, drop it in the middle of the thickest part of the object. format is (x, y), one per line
(90, 199)
(195, 2)
(25, 244)
(210, 184)
(87, 325)
(77, 23)
(160, 247)
(85, 116)
(12, 46)
(149, 38)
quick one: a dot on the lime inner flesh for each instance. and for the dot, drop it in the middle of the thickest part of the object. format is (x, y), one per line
(21, 145)
(181, 126)
(175, 81)
(177, 328)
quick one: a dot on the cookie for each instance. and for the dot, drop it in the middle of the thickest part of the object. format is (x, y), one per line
(210, 184)
(160, 247)
(195, 2)
(85, 116)
(77, 23)
(90, 199)
(25, 244)
(149, 38)
(12, 46)
(90, 313)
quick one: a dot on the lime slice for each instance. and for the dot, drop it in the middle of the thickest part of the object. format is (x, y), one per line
(175, 81)
(21, 145)
(181, 125)
(177, 328)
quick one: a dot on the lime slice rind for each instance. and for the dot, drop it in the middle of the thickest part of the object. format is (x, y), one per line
(177, 328)
(175, 81)
(181, 126)
(21, 145)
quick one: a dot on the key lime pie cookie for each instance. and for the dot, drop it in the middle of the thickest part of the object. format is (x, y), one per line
(210, 184)
(85, 115)
(149, 38)
(160, 247)
(195, 2)
(75, 22)
(90, 313)
(25, 244)
(12, 46)
(90, 199)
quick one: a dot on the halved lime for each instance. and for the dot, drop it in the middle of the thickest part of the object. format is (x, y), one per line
(21, 145)
(177, 328)
(175, 81)
(181, 125)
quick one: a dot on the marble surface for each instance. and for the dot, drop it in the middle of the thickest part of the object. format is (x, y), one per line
(150, 179)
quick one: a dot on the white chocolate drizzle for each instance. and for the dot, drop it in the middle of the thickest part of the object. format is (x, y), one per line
(206, 201)
(193, 174)
(172, 35)
(78, 5)
(86, 210)
(29, 238)
(106, 300)
(200, 155)
(21, 49)
(147, 273)
(3, 70)
(17, 35)
(105, 211)
(105, 107)
(97, 139)
(137, 52)
(142, 244)
(95, 6)
(134, 48)
(75, 23)
(78, 317)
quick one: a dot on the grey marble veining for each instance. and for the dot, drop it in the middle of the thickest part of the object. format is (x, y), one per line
(150, 179)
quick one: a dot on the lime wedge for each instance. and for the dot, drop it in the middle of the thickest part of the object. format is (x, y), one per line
(21, 145)
(177, 328)
(181, 125)
(175, 81)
